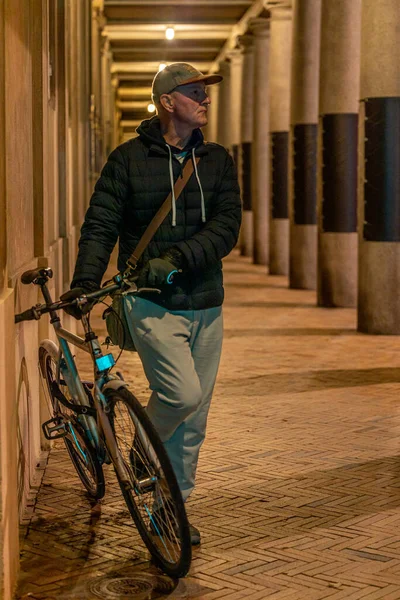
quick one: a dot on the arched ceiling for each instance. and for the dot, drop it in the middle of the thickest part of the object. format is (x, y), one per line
(204, 31)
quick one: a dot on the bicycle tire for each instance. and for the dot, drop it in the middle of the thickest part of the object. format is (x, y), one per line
(79, 448)
(167, 537)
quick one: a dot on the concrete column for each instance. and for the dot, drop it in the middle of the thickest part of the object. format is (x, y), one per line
(236, 60)
(19, 118)
(43, 157)
(280, 63)
(96, 54)
(63, 143)
(246, 141)
(337, 152)
(3, 212)
(46, 223)
(3, 266)
(303, 145)
(96, 116)
(379, 185)
(260, 150)
(83, 95)
(235, 101)
(224, 119)
(115, 118)
(106, 60)
(17, 208)
(74, 115)
(210, 132)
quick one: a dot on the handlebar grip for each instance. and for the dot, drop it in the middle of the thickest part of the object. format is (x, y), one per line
(27, 315)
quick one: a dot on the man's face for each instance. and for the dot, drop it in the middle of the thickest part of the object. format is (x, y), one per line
(191, 104)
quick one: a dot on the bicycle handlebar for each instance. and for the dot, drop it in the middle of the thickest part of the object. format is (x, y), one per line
(119, 282)
(28, 315)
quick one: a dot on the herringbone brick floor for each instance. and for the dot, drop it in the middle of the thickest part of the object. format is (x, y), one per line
(298, 494)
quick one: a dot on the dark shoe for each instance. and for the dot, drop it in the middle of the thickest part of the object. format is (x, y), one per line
(164, 515)
(195, 537)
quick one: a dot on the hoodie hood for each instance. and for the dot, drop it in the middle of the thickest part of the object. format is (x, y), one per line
(150, 132)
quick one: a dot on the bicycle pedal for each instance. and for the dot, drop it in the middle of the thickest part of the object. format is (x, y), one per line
(54, 429)
(88, 384)
(147, 485)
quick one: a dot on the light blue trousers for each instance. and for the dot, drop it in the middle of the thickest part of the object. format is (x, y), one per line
(180, 352)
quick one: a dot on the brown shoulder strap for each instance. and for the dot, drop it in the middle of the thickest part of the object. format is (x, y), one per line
(161, 214)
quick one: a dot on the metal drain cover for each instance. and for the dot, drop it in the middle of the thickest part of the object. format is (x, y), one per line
(138, 586)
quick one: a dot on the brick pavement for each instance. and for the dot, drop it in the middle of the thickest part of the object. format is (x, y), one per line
(298, 494)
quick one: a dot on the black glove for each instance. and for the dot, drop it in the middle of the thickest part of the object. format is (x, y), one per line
(83, 287)
(161, 271)
(157, 272)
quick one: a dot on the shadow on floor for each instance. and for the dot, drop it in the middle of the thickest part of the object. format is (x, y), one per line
(288, 332)
(286, 383)
(340, 500)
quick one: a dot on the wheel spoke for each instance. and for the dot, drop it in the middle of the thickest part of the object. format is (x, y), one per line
(151, 500)
(83, 458)
(81, 453)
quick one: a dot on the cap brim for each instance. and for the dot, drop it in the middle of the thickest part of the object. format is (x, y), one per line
(208, 79)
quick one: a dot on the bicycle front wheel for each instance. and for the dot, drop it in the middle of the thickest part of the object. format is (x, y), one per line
(79, 448)
(153, 497)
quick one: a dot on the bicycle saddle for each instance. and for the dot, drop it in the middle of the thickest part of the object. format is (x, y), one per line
(34, 274)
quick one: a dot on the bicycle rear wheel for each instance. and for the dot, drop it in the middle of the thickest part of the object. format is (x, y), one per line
(79, 448)
(153, 498)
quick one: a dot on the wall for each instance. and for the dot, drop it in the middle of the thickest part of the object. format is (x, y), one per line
(3, 245)
(45, 181)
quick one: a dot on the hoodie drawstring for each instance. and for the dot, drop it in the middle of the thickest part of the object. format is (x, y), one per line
(203, 207)
(171, 178)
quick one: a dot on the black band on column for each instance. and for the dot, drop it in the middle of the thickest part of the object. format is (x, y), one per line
(246, 175)
(305, 174)
(339, 172)
(280, 156)
(382, 170)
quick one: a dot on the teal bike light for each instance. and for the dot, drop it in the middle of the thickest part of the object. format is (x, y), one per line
(105, 362)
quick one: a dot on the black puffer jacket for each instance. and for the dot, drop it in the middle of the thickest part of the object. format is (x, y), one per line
(134, 183)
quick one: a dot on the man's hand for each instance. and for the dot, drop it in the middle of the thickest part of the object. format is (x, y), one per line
(157, 272)
(84, 287)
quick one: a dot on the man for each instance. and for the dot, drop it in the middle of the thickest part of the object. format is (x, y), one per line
(178, 333)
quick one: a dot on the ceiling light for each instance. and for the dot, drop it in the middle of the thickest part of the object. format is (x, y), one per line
(161, 66)
(170, 33)
(151, 108)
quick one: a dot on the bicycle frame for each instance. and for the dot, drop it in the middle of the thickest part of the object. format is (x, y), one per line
(70, 373)
(71, 376)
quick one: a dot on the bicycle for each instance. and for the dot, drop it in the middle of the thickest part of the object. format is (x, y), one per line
(102, 422)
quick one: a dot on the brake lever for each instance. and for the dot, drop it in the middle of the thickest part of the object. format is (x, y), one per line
(144, 289)
(133, 289)
(130, 288)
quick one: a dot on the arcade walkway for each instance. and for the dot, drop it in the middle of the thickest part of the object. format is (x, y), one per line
(298, 494)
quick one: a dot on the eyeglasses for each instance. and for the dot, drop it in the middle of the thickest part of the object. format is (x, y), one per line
(198, 94)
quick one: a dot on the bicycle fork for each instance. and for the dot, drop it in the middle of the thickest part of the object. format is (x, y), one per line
(101, 407)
